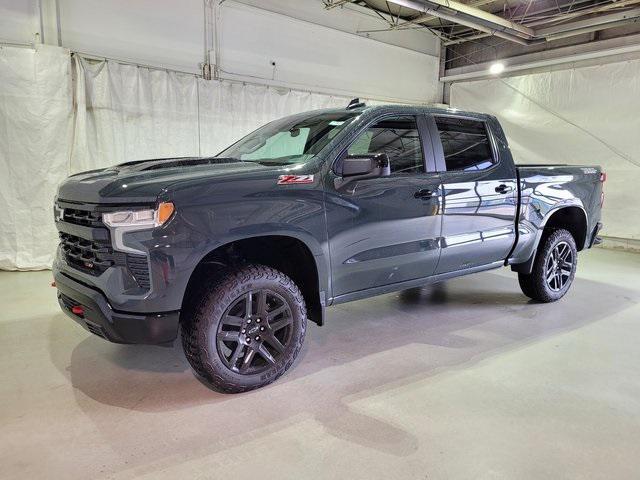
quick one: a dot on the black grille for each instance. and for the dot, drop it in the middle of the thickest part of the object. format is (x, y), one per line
(139, 268)
(96, 256)
(95, 329)
(69, 303)
(83, 217)
(85, 255)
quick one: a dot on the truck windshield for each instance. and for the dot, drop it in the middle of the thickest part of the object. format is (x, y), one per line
(288, 140)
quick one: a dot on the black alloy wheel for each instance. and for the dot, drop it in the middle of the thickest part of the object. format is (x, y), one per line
(554, 267)
(254, 331)
(559, 266)
(244, 328)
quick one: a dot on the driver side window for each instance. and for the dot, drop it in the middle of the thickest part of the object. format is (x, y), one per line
(399, 138)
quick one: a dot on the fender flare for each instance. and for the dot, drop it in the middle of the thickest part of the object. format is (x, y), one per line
(527, 266)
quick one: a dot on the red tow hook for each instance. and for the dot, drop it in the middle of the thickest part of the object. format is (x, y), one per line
(78, 310)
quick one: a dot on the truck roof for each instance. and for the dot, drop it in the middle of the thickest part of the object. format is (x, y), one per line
(411, 109)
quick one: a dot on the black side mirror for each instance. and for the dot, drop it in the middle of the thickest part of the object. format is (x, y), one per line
(366, 166)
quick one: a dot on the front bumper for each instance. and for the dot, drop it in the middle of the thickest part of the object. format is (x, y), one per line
(98, 317)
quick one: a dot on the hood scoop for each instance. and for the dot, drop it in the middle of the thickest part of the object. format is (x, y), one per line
(161, 163)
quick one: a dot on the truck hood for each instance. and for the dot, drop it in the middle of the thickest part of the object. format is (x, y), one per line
(142, 181)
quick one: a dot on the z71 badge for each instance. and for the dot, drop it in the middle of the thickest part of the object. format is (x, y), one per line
(294, 179)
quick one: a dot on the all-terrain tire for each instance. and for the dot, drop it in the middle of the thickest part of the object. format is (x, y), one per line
(536, 285)
(202, 323)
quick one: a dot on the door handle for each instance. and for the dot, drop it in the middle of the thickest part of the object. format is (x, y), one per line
(502, 188)
(424, 193)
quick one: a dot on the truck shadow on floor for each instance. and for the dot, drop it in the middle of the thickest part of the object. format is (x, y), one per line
(367, 347)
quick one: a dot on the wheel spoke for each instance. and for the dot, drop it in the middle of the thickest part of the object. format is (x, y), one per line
(279, 324)
(262, 303)
(262, 350)
(227, 336)
(248, 304)
(246, 361)
(550, 278)
(275, 343)
(232, 320)
(236, 355)
(549, 269)
(274, 313)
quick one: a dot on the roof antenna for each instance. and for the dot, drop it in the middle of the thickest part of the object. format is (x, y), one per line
(355, 103)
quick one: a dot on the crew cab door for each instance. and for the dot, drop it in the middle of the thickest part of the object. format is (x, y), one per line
(479, 191)
(384, 230)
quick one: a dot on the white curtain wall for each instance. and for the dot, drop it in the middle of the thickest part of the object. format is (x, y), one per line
(36, 127)
(581, 116)
(61, 114)
(125, 112)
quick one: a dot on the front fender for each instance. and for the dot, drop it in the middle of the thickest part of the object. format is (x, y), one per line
(317, 249)
(209, 216)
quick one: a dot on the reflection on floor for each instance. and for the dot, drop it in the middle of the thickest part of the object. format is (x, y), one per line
(464, 379)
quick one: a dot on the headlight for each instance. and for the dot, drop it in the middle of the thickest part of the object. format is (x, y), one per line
(140, 218)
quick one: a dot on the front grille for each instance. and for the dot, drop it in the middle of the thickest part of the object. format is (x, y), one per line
(96, 256)
(139, 268)
(86, 255)
(86, 218)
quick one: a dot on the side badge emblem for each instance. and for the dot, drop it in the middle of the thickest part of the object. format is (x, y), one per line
(294, 179)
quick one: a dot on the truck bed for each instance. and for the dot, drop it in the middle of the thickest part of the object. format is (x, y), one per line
(547, 187)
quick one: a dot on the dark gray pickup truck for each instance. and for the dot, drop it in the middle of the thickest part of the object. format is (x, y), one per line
(312, 210)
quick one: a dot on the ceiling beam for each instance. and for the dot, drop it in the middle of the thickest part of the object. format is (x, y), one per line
(453, 8)
(613, 48)
(471, 17)
(490, 24)
(335, 3)
(426, 18)
(598, 21)
(584, 11)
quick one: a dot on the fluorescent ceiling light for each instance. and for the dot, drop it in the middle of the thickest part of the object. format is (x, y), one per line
(496, 68)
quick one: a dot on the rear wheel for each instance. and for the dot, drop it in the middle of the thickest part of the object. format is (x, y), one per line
(247, 329)
(554, 268)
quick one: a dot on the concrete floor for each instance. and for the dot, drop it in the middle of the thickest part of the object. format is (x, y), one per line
(461, 380)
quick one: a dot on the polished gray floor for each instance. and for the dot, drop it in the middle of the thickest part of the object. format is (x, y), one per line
(466, 379)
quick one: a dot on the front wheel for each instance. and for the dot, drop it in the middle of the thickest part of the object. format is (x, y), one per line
(247, 329)
(554, 268)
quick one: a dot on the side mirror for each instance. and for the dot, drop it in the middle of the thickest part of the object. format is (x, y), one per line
(366, 166)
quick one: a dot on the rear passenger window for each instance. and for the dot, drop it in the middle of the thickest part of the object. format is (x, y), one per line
(465, 143)
(398, 137)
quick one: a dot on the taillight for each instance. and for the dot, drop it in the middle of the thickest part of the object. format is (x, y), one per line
(603, 177)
